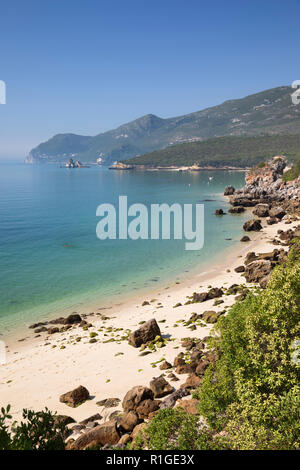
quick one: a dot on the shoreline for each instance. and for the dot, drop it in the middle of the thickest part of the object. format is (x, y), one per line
(47, 366)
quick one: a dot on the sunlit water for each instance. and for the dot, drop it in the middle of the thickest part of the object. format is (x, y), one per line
(51, 259)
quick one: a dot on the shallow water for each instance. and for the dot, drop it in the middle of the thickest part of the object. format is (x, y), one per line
(50, 257)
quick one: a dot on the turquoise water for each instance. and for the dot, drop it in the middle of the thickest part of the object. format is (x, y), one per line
(50, 257)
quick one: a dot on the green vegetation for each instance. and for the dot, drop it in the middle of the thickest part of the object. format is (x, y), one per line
(38, 431)
(173, 429)
(268, 112)
(293, 173)
(230, 151)
(251, 395)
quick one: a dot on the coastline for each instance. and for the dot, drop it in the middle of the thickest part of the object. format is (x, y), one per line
(48, 366)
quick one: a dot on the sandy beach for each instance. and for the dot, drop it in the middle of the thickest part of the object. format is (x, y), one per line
(39, 369)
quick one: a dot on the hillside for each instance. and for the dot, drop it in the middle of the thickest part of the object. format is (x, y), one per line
(268, 112)
(221, 151)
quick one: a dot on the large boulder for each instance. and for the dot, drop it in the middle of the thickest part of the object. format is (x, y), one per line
(277, 212)
(146, 407)
(261, 210)
(72, 319)
(229, 190)
(135, 396)
(253, 225)
(75, 397)
(129, 421)
(106, 433)
(147, 332)
(258, 270)
(160, 387)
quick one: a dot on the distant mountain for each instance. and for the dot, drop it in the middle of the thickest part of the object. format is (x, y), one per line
(232, 151)
(270, 112)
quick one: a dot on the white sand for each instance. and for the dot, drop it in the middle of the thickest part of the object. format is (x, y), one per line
(36, 374)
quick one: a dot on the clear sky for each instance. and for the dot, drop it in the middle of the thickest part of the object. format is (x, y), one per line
(87, 66)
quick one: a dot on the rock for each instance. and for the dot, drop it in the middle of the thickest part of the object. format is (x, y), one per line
(245, 238)
(173, 377)
(129, 421)
(147, 332)
(193, 381)
(170, 401)
(52, 330)
(190, 406)
(257, 270)
(179, 360)
(272, 221)
(261, 210)
(137, 431)
(251, 256)
(99, 436)
(253, 225)
(95, 417)
(239, 269)
(146, 407)
(229, 190)
(135, 396)
(201, 368)
(165, 365)
(109, 402)
(75, 397)
(277, 212)
(215, 292)
(145, 303)
(210, 316)
(72, 319)
(160, 387)
(220, 212)
(184, 369)
(63, 419)
(188, 344)
(37, 325)
(125, 439)
(236, 210)
(41, 329)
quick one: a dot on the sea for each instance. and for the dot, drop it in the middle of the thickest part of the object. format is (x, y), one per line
(51, 259)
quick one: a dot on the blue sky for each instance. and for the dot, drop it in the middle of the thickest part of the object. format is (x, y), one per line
(86, 66)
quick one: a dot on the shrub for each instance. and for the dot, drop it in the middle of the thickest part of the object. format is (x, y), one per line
(252, 392)
(174, 429)
(39, 431)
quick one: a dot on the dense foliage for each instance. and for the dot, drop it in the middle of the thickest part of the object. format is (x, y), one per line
(38, 431)
(250, 398)
(224, 151)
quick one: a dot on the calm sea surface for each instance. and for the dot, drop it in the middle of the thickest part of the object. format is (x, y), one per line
(51, 259)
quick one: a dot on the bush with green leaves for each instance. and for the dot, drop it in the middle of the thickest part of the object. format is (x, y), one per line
(39, 431)
(174, 429)
(252, 393)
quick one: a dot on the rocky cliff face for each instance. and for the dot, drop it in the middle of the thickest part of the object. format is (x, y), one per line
(266, 185)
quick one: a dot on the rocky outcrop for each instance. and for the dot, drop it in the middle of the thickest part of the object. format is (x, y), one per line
(135, 396)
(106, 433)
(265, 185)
(253, 225)
(75, 397)
(261, 210)
(229, 190)
(160, 387)
(147, 332)
(258, 271)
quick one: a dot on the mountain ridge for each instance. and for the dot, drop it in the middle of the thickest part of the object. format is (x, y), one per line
(269, 111)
